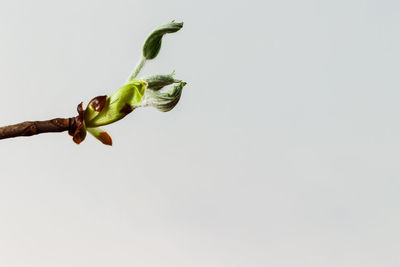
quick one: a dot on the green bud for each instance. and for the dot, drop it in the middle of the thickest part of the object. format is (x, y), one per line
(165, 101)
(119, 104)
(153, 43)
(157, 82)
(103, 110)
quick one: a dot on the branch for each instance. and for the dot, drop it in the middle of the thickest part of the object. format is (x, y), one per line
(30, 128)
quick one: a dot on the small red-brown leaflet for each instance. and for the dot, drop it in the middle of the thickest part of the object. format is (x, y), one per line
(105, 138)
(98, 102)
(80, 131)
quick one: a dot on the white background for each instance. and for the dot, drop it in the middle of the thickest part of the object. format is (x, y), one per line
(284, 149)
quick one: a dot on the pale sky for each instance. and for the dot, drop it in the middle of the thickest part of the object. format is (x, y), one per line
(283, 151)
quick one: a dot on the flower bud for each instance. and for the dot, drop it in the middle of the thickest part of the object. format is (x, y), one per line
(165, 101)
(153, 43)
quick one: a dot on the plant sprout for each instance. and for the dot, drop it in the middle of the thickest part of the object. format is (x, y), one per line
(104, 110)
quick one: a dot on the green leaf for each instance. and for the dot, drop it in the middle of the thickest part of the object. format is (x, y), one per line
(152, 46)
(119, 104)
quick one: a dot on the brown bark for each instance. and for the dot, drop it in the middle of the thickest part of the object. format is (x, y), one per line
(29, 128)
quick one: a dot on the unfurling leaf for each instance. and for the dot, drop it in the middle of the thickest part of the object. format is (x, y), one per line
(165, 101)
(157, 82)
(153, 43)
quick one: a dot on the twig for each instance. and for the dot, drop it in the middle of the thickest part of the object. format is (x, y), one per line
(30, 128)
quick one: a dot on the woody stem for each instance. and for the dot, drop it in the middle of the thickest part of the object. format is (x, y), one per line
(30, 128)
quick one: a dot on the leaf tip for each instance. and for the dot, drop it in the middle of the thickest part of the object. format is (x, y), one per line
(105, 138)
